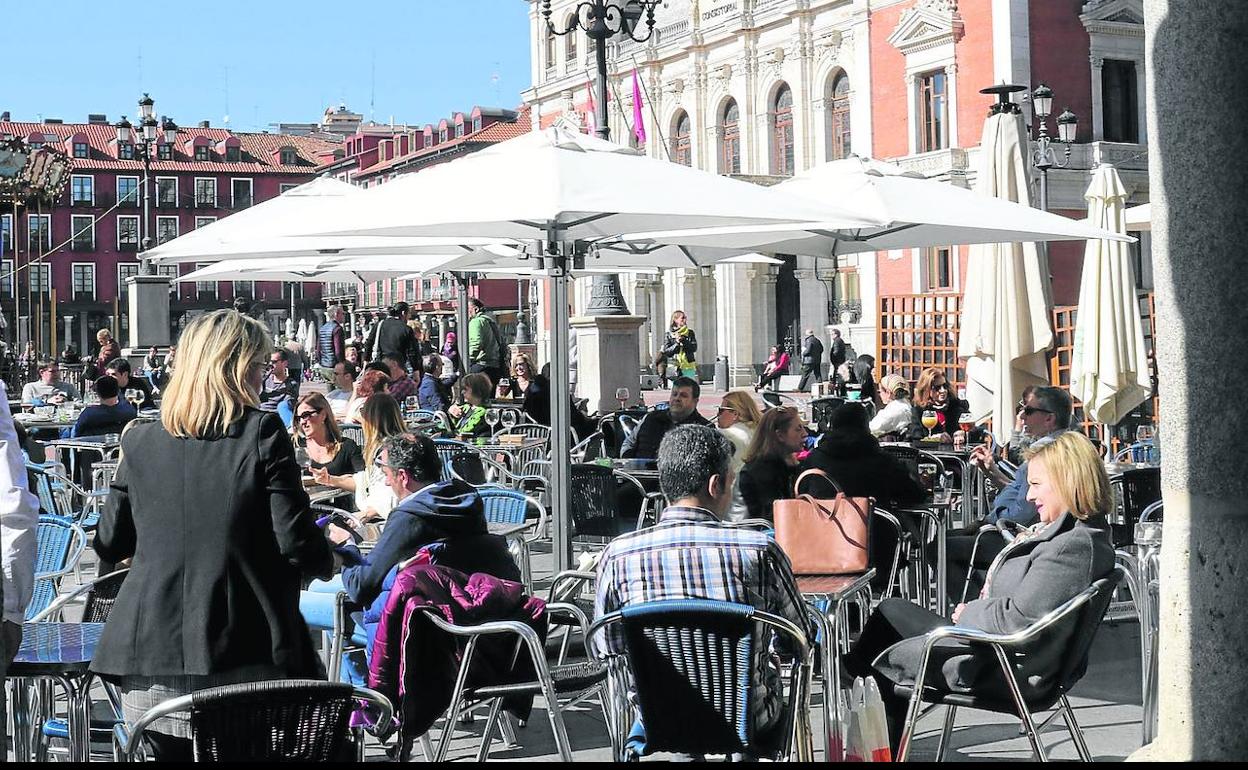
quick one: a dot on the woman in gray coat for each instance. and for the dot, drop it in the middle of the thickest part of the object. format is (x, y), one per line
(1039, 571)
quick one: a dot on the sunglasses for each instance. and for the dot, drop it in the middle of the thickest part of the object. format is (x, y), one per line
(307, 415)
(1030, 410)
(726, 409)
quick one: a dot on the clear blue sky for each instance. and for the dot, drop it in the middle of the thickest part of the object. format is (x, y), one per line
(266, 61)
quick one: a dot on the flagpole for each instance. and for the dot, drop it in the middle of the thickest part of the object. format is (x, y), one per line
(650, 103)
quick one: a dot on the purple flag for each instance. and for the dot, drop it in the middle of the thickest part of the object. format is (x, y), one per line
(639, 122)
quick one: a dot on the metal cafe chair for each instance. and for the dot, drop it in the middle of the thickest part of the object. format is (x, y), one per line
(683, 681)
(295, 720)
(505, 506)
(59, 544)
(1082, 614)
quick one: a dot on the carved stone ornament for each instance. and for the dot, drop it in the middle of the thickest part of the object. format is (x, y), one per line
(929, 24)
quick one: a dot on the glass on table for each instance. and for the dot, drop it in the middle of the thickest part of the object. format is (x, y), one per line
(134, 396)
(491, 418)
(509, 418)
(929, 421)
(412, 403)
(621, 395)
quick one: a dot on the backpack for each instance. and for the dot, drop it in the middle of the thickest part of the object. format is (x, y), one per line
(504, 350)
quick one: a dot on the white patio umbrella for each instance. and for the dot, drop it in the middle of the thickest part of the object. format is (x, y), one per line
(1140, 217)
(362, 269)
(915, 212)
(563, 190)
(1109, 365)
(1005, 329)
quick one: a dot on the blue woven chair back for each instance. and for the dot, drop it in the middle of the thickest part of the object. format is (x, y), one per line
(691, 662)
(54, 554)
(447, 449)
(503, 506)
(43, 486)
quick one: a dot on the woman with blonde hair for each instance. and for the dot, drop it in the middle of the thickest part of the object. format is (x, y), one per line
(771, 461)
(1040, 570)
(209, 504)
(738, 418)
(381, 418)
(897, 413)
(530, 385)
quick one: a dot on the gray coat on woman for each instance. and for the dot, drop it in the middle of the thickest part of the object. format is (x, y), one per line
(1032, 578)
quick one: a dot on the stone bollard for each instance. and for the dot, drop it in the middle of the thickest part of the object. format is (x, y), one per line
(721, 373)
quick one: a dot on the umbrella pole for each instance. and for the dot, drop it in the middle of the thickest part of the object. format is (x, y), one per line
(461, 319)
(560, 420)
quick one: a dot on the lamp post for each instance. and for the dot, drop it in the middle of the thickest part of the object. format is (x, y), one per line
(144, 140)
(602, 20)
(1043, 156)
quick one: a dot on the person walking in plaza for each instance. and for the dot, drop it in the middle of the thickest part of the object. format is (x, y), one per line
(19, 521)
(812, 360)
(836, 359)
(331, 343)
(771, 461)
(679, 346)
(393, 336)
(728, 564)
(212, 597)
(487, 353)
(450, 351)
(682, 407)
(109, 349)
(49, 388)
(776, 367)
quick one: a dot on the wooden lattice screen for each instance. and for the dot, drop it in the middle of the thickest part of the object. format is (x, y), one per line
(921, 330)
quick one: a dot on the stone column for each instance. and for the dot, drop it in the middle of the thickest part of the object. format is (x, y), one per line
(1198, 159)
(606, 350)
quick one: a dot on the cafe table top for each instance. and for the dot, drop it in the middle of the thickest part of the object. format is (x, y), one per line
(833, 587)
(56, 648)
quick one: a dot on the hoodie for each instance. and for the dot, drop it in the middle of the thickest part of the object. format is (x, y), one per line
(443, 511)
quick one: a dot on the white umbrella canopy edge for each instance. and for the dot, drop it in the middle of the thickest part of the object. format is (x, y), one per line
(1109, 362)
(1005, 330)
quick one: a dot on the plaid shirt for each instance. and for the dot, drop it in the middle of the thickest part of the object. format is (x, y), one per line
(402, 388)
(689, 554)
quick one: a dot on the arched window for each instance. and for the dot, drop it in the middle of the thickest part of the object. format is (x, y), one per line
(682, 152)
(550, 49)
(836, 105)
(730, 139)
(782, 132)
(569, 44)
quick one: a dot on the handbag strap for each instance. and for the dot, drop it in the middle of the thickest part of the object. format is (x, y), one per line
(797, 484)
(832, 516)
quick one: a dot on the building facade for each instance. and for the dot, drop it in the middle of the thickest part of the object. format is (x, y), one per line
(375, 155)
(65, 261)
(763, 89)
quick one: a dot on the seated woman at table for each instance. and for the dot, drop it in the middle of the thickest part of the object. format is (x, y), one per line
(771, 461)
(209, 504)
(381, 418)
(776, 367)
(862, 373)
(316, 431)
(109, 416)
(895, 418)
(372, 380)
(469, 416)
(852, 457)
(737, 419)
(528, 384)
(1043, 568)
(933, 393)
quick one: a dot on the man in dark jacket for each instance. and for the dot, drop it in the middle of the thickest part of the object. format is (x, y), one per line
(682, 408)
(331, 343)
(836, 357)
(119, 370)
(812, 360)
(852, 457)
(431, 392)
(394, 336)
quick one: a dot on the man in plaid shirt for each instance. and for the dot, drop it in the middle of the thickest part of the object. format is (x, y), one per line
(691, 554)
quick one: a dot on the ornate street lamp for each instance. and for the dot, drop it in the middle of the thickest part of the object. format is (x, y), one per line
(1044, 156)
(602, 20)
(145, 141)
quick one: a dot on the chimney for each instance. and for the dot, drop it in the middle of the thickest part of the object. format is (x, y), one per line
(52, 121)
(204, 124)
(5, 117)
(97, 119)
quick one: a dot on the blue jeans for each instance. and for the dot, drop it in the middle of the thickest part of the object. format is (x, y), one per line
(317, 607)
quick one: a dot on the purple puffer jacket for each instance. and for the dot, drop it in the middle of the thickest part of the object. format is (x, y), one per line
(416, 670)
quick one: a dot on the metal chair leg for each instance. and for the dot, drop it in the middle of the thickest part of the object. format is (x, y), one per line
(1028, 723)
(945, 732)
(457, 699)
(487, 737)
(508, 727)
(1076, 733)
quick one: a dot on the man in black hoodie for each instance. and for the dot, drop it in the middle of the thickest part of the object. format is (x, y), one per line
(853, 458)
(429, 511)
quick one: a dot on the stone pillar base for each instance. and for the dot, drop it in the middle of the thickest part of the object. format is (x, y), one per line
(607, 348)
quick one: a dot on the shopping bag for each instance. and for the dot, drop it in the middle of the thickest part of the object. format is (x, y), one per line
(821, 536)
(867, 734)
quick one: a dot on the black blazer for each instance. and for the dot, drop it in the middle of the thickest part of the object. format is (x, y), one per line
(862, 469)
(763, 481)
(222, 538)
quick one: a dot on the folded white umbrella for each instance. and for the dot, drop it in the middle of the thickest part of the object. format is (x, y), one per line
(563, 191)
(914, 212)
(1109, 364)
(1005, 330)
(363, 269)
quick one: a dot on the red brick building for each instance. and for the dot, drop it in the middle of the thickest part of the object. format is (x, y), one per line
(80, 247)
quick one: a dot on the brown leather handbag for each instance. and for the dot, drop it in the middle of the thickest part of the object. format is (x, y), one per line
(823, 537)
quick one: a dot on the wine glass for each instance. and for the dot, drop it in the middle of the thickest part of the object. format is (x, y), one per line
(134, 396)
(509, 418)
(621, 395)
(301, 457)
(929, 421)
(412, 403)
(966, 422)
(491, 418)
(1144, 434)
